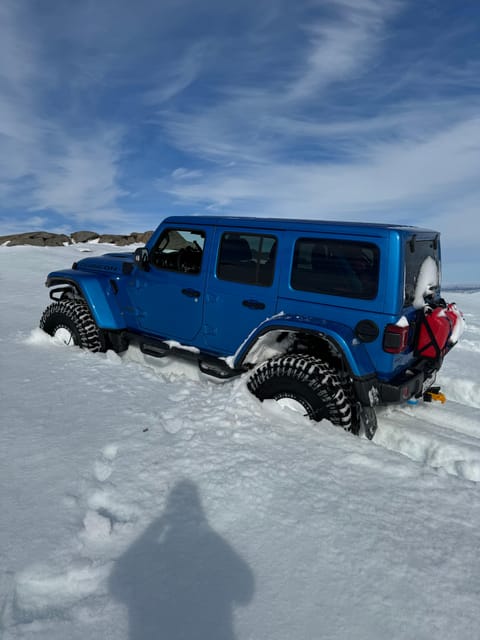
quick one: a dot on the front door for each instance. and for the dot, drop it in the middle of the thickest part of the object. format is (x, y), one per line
(169, 297)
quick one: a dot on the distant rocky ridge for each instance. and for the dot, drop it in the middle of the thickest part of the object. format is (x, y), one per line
(47, 239)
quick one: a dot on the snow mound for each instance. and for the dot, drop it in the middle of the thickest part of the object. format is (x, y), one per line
(43, 592)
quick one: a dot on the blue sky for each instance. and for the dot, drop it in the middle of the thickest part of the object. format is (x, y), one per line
(114, 114)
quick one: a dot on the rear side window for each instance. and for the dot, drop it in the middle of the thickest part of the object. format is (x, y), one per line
(247, 258)
(336, 267)
(417, 252)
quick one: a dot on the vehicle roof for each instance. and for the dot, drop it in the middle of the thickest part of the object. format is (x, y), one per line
(296, 224)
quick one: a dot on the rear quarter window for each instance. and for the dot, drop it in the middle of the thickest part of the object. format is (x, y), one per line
(416, 253)
(336, 267)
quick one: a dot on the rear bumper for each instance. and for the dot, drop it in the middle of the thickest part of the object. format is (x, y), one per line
(372, 391)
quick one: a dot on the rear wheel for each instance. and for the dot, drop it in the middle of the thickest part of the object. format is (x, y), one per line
(71, 322)
(307, 381)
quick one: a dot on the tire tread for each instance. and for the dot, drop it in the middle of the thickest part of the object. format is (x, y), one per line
(312, 372)
(77, 313)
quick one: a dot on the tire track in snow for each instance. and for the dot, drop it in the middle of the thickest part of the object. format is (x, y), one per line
(464, 392)
(443, 437)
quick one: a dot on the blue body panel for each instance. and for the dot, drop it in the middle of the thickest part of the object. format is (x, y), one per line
(97, 291)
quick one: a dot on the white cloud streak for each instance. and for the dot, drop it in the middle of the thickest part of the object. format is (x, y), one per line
(341, 47)
(393, 180)
(45, 163)
(177, 77)
(81, 178)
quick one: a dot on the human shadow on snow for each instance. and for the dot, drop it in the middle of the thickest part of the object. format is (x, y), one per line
(180, 579)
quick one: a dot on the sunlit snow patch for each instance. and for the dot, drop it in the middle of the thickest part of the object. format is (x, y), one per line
(437, 437)
(291, 411)
(39, 337)
(43, 592)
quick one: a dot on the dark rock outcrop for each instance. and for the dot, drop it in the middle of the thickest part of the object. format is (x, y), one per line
(84, 236)
(36, 238)
(47, 239)
(143, 237)
(119, 240)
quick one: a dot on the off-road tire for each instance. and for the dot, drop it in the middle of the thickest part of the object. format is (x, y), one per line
(75, 317)
(309, 381)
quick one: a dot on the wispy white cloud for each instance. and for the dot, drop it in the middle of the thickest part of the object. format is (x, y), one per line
(341, 45)
(45, 163)
(17, 53)
(388, 181)
(170, 82)
(80, 177)
(185, 174)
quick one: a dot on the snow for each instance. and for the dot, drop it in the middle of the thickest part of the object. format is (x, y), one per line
(427, 282)
(173, 344)
(140, 500)
(403, 322)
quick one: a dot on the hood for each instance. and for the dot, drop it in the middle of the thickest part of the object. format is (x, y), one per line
(108, 263)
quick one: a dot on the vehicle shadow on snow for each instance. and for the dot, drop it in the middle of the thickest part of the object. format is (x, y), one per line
(181, 579)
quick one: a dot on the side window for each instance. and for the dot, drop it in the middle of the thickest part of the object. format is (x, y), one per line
(179, 250)
(416, 254)
(247, 258)
(336, 267)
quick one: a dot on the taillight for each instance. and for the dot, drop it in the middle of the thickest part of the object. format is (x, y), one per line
(395, 338)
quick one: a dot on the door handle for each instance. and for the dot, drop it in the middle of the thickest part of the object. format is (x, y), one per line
(253, 304)
(191, 293)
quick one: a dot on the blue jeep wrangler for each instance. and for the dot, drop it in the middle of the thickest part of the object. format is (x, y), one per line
(324, 316)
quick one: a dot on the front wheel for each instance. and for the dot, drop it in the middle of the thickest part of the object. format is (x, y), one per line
(71, 322)
(309, 382)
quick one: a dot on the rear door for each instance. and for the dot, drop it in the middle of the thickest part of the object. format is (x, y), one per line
(241, 291)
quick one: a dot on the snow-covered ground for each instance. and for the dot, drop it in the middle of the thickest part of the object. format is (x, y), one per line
(139, 500)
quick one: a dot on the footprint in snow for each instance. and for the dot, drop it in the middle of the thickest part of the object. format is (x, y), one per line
(103, 466)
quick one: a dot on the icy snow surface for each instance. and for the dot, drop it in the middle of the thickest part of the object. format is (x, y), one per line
(140, 500)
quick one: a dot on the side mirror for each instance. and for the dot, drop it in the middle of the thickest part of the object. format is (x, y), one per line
(141, 257)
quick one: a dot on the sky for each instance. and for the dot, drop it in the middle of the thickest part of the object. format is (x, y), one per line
(115, 114)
